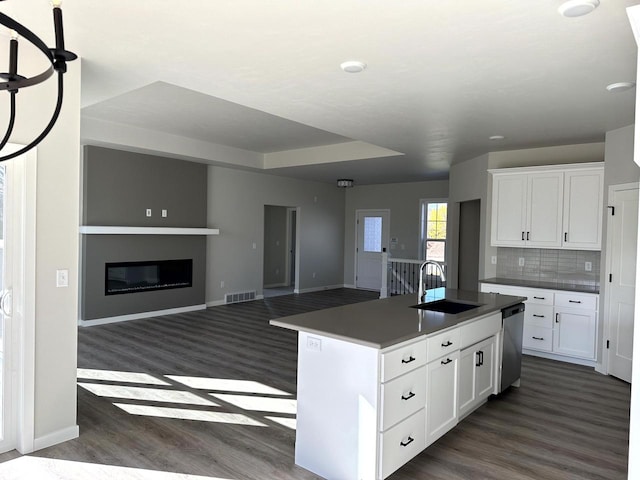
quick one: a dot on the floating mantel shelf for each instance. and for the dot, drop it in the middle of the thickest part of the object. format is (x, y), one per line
(108, 230)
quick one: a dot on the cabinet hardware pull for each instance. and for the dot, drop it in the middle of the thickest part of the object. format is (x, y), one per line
(409, 440)
(575, 301)
(481, 357)
(447, 362)
(522, 236)
(411, 395)
(539, 316)
(557, 321)
(411, 359)
(565, 236)
(448, 344)
(527, 235)
(478, 359)
(539, 298)
(538, 338)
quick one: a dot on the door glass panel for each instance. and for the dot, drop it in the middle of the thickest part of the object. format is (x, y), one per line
(373, 234)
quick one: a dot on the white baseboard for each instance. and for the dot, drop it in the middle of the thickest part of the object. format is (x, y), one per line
(137, 316)
(318, 289)
(54, 438)
(349, 286)
(600, 369)
(561, 358)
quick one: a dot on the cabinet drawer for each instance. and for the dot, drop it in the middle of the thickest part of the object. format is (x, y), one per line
(401, 443)
(403, 396)
(539, 297)
(480, 329)
(538, 315)
(443, 343)
(537, 338)
(403, 359)
(577, 300)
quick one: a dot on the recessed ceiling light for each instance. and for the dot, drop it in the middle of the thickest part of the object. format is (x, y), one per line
(620, 87)
(578, 8)
(496, 137)
(353, 66)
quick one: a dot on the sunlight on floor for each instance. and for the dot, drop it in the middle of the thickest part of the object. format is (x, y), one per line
(36, 468)
(143, 393)
(259, 404)
(227, 385)
(285, 422)
(122, 377)
(184, 414)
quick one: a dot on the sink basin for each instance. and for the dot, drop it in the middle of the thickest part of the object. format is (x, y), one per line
(447, 306)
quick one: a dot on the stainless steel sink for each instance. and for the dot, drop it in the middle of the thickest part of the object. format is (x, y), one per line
(447, 306)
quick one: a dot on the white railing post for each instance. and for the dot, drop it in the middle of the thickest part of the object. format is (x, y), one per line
(384, 291)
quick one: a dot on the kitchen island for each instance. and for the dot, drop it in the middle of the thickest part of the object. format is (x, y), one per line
(379, 381)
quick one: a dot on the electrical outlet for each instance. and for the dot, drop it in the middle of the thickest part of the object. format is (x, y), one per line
(253, 245)
(222, 284)
(148, 212)
(494, 260)
(62, 278)
(314, 343)
(164, 213)
(587, 266)
(314, 275)
(521, 261)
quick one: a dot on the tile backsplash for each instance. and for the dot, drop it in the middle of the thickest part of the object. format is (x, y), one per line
(546, 265)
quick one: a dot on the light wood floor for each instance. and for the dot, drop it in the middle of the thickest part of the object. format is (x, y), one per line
(565, 422)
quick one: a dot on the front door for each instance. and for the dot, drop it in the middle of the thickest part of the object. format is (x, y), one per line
(622, 238)
(372, 232)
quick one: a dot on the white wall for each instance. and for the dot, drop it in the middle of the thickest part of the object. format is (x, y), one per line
(236, 203)
(403, 200)
(57, 219)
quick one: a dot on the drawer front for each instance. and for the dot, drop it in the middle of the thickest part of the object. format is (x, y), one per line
(401, 443)
(538, 315)
(537, 338)
(539, 297)
(403, 359)
(403, 396)
(577, 300)
(501, 289)
(443, 343)
(480, 329)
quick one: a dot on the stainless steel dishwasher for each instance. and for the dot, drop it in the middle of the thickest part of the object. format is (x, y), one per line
(512, 323)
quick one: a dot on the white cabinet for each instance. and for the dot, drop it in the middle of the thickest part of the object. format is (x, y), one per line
(548, 207)
(477, 380)
(582, 217)
(442, 395)
(557, 324)
(527, 210)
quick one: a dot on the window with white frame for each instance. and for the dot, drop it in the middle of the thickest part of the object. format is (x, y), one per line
(434, 230)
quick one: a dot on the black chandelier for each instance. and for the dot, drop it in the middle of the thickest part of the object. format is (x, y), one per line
(12, 81)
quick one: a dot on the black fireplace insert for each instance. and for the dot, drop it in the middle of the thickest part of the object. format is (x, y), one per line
(133, 277)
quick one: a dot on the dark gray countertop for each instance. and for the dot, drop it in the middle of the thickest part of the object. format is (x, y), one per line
(385, 322)
(549, 285)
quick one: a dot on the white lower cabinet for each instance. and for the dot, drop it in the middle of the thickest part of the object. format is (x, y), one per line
(477, 380)
(575, 332)
(401, 443)
(442, 395)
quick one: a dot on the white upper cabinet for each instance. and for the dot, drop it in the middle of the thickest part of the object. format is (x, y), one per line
(583, 194)
(547, 207)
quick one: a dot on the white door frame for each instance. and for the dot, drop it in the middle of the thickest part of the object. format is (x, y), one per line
(355, 246)
(606, 329)
(23, 214)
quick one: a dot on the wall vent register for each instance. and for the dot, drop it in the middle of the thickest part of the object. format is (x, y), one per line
(134, 277)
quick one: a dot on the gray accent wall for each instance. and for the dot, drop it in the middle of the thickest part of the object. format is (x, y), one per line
(403, 200)
(118, 187)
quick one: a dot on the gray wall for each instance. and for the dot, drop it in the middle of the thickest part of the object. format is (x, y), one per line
(236, 206)
(403, 200)
(275, 245)
(469, 245)
(119, 186)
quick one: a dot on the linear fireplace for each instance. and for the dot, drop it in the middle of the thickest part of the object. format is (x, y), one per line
(133, 277)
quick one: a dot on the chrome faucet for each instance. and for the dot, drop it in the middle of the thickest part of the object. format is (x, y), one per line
(421, 286)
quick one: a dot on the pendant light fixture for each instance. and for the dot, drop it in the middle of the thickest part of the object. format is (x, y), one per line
(12, 81)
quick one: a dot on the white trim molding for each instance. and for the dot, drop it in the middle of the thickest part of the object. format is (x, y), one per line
(57, 437)
(115, 230)
(137, 316)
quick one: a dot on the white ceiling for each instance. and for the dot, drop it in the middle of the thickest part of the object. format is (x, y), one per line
(442, 76)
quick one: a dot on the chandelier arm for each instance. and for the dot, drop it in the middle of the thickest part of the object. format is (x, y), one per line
(27, 34)
(47, 129)
(12, 120)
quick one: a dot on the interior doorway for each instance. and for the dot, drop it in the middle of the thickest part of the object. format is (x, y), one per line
(280, 250)
(622, 234)
(469, 245)
(372, 239)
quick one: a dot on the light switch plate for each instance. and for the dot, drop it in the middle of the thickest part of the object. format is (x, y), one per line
(521, 261)
(164, 213)
(587, 266)
(62, 278)
(148, 212)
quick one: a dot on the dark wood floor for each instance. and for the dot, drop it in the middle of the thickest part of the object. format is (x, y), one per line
(565, 422)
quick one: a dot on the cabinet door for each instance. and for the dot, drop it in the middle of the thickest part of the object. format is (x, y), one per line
(508, 223)
(485, 361)
(442, 396)
(467, 384)
(544, 213)
(575, 332)
(582, 225)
